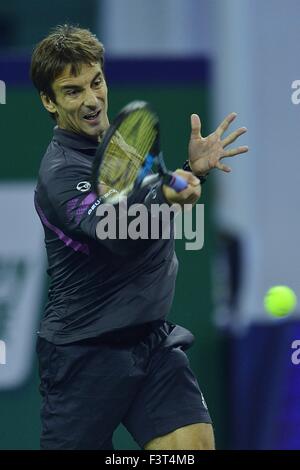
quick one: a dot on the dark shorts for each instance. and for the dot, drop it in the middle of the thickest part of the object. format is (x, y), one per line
(88, 388)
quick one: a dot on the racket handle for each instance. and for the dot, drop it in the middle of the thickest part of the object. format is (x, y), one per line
(176, 182)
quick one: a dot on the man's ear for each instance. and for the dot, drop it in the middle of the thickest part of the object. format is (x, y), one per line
(48, 103)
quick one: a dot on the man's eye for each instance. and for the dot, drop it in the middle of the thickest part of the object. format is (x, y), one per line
(72, 92)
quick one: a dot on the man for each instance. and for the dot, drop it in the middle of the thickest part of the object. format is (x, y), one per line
(107, 355)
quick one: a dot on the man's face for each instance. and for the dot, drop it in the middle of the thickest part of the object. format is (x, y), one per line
(81, 101)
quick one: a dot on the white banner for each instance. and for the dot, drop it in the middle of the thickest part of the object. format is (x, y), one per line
(22, 267)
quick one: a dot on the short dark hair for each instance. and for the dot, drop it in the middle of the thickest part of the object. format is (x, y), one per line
(65, 45)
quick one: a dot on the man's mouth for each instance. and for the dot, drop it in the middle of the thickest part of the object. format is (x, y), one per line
(92, 117)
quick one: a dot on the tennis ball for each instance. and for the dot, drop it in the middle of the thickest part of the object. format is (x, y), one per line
(279, 301)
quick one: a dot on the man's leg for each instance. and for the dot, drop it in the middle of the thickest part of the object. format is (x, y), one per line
(86, 388)
(169, 411)
(197, 436)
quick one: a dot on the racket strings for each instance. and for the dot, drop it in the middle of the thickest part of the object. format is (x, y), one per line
(128, 149)
(138, 130)
(139, 133)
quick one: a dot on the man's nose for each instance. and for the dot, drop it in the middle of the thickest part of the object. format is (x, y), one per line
(91, 99)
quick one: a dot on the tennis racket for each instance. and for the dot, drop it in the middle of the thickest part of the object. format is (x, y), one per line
(129, 152)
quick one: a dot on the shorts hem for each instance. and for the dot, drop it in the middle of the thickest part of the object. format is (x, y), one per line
(169, 425)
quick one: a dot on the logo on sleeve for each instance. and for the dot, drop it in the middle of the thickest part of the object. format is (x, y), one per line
(83, 186)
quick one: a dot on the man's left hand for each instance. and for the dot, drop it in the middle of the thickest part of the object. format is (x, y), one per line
(206, 153)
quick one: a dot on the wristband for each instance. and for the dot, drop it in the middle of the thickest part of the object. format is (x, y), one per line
(201, 178)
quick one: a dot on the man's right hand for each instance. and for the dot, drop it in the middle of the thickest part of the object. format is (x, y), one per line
(190, 195)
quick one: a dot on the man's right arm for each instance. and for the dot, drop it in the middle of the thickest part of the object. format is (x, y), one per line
(81, 214)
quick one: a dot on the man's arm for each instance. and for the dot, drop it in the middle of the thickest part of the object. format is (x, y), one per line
(79, 214)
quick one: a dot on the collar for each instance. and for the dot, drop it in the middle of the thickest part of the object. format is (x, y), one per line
(73, 140)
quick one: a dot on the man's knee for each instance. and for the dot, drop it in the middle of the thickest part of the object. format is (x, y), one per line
(197, 436)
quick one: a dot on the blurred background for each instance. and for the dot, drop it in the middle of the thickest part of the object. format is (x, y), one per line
(211, 57)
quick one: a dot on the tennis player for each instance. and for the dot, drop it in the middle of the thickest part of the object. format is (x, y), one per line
(107, 354)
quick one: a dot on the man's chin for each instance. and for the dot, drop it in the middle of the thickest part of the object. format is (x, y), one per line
(92, 133)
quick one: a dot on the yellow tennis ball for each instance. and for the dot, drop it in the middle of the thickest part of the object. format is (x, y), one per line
(279, 301)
